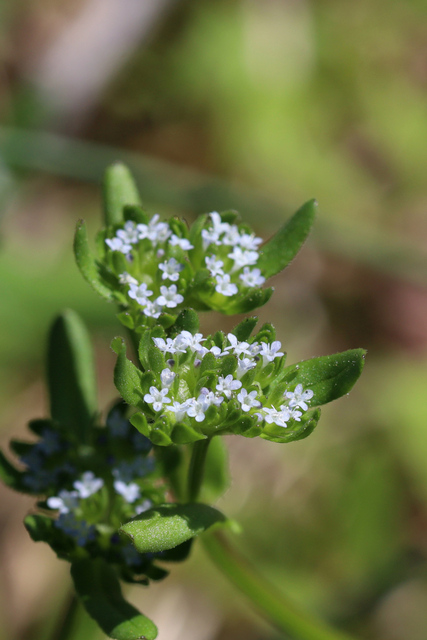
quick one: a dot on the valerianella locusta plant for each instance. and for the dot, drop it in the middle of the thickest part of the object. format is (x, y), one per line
(119, 499)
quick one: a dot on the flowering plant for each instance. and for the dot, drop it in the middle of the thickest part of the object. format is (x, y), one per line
(113, 502)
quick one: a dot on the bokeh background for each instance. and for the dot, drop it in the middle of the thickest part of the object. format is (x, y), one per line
(256, 105)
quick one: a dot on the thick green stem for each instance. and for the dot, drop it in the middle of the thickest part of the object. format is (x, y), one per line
(197, 468)
(271, 604)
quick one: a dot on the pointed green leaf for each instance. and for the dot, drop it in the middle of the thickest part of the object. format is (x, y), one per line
(71, 373)
(168, 525)
(329, 377)
(119, 189)
(99, 590)
(127, 379)
(244, 329)
(139, 421)
(252, 301)
(136, 214)
(87, 264)
(184, 434)
(278, 252)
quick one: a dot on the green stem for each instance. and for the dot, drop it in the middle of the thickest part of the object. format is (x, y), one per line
(272, 605)
(197, 468)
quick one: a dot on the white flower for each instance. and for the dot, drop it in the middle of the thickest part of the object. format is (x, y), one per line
(210, 236)
(231, 236)
(185, 244)
(214, 266)
(186, 340)
(179, 409)
(224, 286)
(144, 506)
(65, 501)
(130, 492)
(243, 258)
(227, 385)
(165, 346)
(169, 297)
(116, 244)
(88, 485)
(167, 377)
(157, 398)
(295, 415)
(126, 278)
(128, 235)
(151, 309)
(270, 351)
(210, 397)
(252, 278)
(140, 293)
(273, 416)
(248, 400)
(244, 365)
(218, 224)
(155, 231)
(298, 397)
(239, 348)
(198, 407)
(249, 241)
(171, 269)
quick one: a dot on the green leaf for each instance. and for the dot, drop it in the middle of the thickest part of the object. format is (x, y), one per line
(71, 374)
(126, 319)
(188, 320)
(183, 434)
(139, 421)
(127, 379)
(136, 214)
(244, 329)
(89, 267)
(119, 189)
(156, 359)
(168, 525)
(299, 431)
(278, 252)
(11, 476)
(99, 590)
(329, 377)
(252, 301)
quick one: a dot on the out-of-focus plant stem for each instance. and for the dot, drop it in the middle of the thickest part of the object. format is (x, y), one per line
(196, 468)
(271, 604)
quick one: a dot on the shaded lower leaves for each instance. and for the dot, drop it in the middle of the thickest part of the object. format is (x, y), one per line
(99, 590)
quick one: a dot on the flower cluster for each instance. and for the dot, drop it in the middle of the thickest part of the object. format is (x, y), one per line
(219, 385)
(161, 267)
(93, 492)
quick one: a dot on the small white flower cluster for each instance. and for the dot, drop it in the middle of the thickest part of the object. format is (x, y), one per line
(156, 232)
(228, 253)
(224, 263)
(247, 357)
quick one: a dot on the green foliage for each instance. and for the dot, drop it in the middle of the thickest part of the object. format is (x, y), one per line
(119, 189)
(99, 590)
(71, 374)
(278, 252)
(166, 526)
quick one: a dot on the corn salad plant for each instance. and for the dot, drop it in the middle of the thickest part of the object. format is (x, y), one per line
(121, 500)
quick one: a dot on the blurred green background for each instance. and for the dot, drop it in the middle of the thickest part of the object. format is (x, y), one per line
(256, 105)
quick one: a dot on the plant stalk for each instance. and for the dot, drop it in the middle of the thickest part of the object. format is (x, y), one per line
(272, 605)
(197, 468)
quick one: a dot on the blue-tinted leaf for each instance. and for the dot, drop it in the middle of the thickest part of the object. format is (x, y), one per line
(99, 590)
(119, 189)
(168, 525)
(71, 373)
(278, 252)
(87, 264)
